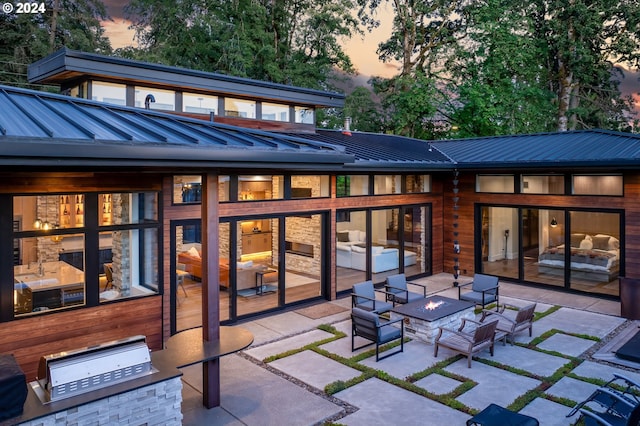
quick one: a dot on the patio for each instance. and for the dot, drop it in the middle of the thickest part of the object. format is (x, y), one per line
(281, 378)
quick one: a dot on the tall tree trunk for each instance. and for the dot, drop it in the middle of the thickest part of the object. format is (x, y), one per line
(564, 96)
(54, 24)
(574, 102)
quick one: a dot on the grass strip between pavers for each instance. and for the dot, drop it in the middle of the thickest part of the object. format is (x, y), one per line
(449, 399)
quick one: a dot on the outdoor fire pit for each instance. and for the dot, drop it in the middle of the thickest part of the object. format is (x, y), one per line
(422, 318)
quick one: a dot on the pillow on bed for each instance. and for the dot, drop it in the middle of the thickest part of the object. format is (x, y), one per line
(601, 242)
(576, 239)
(586, 244)
(614, 243)
(354, 236)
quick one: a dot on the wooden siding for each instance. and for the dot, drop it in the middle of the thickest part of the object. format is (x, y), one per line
(30, 338)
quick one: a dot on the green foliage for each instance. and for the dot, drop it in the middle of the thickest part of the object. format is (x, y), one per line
(279, 41)
(29, 37)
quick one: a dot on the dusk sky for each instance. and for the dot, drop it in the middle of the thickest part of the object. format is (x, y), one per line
(362, 51)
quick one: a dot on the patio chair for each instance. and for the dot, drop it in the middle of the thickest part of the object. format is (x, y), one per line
(364, 297)
(380, 331)
(592, 417)
(507, 327)
(494, 414)
(484, 290)
(467, 343)
(398, 291)
(614, 402)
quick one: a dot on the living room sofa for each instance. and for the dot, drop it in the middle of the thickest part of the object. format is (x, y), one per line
(245, 272)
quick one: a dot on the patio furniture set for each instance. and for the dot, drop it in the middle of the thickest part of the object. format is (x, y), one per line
(441, 321)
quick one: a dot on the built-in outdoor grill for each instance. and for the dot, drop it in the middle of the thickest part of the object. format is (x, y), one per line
(78, 371)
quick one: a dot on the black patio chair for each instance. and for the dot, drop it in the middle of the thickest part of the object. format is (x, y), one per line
(484, 290)
(380, 331)
(613, 403)
(398, 291)
(364, 297)
(494, 415)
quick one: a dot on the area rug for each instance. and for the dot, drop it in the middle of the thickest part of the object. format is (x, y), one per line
(320, 311)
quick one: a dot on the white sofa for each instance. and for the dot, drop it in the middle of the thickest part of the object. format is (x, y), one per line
(350, 254)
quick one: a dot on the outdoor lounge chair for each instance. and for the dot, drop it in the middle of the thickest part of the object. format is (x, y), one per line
(467, 343)
(494, 414)
(364, 297)
(508, 326)
(613, 403)
(484, 290)
(380, 331)
(398, 291)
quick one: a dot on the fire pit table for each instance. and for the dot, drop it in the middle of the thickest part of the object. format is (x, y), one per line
(422, 318)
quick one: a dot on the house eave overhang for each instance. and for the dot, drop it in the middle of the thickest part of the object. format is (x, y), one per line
(66, 64)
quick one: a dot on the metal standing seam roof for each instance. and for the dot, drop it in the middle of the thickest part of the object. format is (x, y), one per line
(378, 150)
(43, 125)
(562, 149)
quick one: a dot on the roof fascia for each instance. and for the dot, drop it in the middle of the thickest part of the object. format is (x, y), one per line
(97, 66)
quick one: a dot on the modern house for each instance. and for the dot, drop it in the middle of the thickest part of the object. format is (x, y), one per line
(147, 189)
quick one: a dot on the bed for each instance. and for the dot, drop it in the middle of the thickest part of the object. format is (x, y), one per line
(594, 258)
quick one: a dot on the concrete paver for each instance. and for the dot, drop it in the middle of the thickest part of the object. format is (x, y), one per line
(381, 403)
(438, 384)
(494, 385)
(548, 413)
(575, 390)
(534, 362)
(578, 322)
(314, 369)
(567, 345)
(286, 344)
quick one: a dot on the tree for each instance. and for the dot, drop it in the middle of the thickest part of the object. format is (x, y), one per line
(29, 37)
(283, 41)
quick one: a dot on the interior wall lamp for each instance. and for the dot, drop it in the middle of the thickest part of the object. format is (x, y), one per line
(147, 101)
(554, 222)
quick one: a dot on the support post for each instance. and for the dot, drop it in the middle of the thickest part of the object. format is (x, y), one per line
(210, 287)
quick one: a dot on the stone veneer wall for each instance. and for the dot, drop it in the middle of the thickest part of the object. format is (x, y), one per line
(157, 404)
(307, 231)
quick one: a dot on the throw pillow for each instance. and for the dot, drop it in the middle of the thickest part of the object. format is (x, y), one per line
(343, 237)
(194, 252)
(354, 236)
(614, 243)
(601, 243)
(586, 244)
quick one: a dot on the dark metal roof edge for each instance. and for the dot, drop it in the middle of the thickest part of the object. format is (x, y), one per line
(51, 65)
(13, 147)
(541, 134)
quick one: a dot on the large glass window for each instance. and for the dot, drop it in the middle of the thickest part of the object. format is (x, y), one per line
(500, 241)
(256, 187)
(303, 186)
(199, 104)
(349, 185)
(417, 240)
(110, 93)
(351, 243)
(158, 99)
(542, 184)
(418, 183)
(495, 183)
(257, 269)
(187, 189)
(580, 250)
(275, 112)
(239, 108)
(387, 184)
(597, 185)
(595, 252)
(303, 257)
(50, 249)
(304, 115)
(49, 273)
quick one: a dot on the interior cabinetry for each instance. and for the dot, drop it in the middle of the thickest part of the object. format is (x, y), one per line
(256, 242)
(72, 210)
